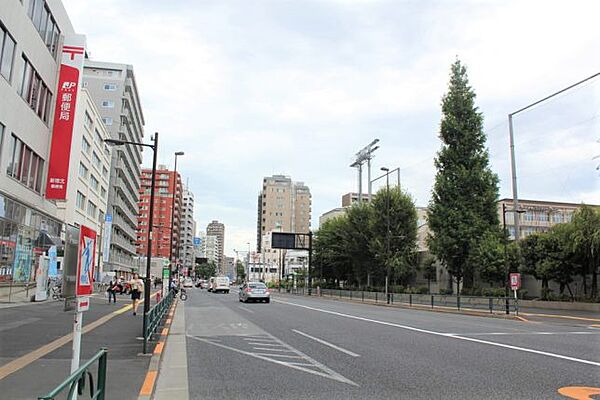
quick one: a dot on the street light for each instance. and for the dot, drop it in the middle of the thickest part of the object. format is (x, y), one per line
(154, 147)
(178, 153)
(387, 233)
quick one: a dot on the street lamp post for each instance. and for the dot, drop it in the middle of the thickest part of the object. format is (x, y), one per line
(506, 267)
(178, 153)
(154, 147)
(387, 233)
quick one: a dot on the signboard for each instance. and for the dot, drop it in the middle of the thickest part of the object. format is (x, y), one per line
(83, 303)
(69, 80)
(106, 235)
(85, 262)
(53, 265)
(69, 264)
(286, 240)
(515, 281)
(165, 275)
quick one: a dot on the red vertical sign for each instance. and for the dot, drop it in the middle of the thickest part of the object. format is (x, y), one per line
(85, 261)
(64, 114)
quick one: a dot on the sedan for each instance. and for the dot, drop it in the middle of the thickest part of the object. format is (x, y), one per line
(188, 282)
(256, 291)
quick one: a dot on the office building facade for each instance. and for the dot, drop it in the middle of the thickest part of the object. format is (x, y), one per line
(217, 229)
(114, 90)
(186, 248)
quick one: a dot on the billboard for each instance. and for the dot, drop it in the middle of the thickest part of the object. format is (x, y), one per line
(69, 80)
(85, 262)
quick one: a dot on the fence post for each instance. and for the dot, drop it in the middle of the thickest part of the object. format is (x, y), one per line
(458, 301)
(340, 293)
(491, 305)
(102, 375)
(392, 297)
(507, 306)
(350, 294)
(362, 295)
(375, 297)
(410, 299)
(432, 301)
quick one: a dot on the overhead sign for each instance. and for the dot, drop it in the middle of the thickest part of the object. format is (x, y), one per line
(287, 240)
(197, 241)
(515, 281)
(85, 262)
(69, 80)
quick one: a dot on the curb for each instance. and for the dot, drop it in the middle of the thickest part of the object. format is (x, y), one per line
(149, 385)
(420, 307)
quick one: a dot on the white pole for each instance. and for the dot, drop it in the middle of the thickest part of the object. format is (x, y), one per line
(77, 323)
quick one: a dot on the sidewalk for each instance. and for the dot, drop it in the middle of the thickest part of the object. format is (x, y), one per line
(172, 382)
(36, 347)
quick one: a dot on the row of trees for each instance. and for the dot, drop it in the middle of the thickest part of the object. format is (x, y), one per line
(357, 248)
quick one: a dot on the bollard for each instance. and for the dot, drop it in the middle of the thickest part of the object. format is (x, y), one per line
(410, 300)
(458, 302)
(432, 300)
(507, 306)
(375, 297)
(491, 306)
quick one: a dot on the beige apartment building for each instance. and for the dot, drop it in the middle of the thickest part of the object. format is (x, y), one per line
(217, 229)
(537, 216)
(283, 206)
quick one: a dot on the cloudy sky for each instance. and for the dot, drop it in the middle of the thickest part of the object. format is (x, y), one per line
(254, 88)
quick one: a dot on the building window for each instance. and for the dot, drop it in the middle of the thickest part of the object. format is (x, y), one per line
(94, 182)
(108, 104)
(25, 165)
(110, 87)
(91, 209)
(35, 92)
(107, 121)
(85, 146)
(88, 122)
(96, 160)
(44, 23)
(7, 53)
(102, 192)
(80, 202)
(83, 170)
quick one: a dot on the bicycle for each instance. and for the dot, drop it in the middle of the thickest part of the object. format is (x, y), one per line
(183, 294)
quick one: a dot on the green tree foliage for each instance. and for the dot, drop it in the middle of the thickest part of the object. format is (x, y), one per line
(240, 271)
(586, 244)
(463, 205)
(206, 270)
(353, 247)
(490, 258)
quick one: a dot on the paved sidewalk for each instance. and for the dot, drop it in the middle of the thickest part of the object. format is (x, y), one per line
(172, 382)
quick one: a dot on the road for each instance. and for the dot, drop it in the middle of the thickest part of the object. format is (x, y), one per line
(298, 348)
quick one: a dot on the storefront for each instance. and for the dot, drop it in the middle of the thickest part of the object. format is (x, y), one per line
(25, 234)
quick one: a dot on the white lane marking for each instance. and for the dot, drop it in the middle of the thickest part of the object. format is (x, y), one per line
(278, 355)
(448, 335)
(265, 344)
(272, 349)
(333, 346)
(325, 371)
(245, 309)
(521, 333)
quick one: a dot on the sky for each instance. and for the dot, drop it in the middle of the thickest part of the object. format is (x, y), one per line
(249, 89)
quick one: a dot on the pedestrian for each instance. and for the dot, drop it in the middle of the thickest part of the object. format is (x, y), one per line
(112, 290)
(136, 285)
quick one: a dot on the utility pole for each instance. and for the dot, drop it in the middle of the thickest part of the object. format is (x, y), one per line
(387, 234)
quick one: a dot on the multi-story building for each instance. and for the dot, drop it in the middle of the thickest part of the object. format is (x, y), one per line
(167, 183)
(284, 206)
(229, 267)
(31, 39)
(350, 198)
(188, 230)
(114, 90)
(333, 213)
(87, 189)
(217, 229)
(536, 215)
(210, 248)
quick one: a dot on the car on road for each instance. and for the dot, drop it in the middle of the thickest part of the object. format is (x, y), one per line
(254, 291)
(187, 282)
(220, 284)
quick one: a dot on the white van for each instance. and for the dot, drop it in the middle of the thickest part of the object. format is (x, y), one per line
(220, 284)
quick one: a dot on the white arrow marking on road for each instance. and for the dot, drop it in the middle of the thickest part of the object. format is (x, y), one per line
(333, 346)
(448, 335)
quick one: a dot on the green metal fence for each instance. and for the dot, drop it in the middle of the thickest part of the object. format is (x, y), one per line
(77, 380)
(155, 316)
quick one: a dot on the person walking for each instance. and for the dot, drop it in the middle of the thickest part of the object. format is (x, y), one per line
(137, 286)
(112, 290)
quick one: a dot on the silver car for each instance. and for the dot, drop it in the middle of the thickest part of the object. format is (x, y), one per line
(255, 291)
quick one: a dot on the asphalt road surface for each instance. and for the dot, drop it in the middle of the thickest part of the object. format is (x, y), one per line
(298, 348)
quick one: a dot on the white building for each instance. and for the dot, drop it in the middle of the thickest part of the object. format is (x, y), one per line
(31, 38)
(87, 188)
(211, 249)
(187, 230)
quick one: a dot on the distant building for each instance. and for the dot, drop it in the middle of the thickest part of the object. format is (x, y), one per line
(350, 198)
(167, 183)
(336, 212)
(217, 229)
(186, 246)
(230, 267)
(538, 215)
(211, 249)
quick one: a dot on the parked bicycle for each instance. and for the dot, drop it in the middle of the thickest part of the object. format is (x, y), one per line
(183, 294)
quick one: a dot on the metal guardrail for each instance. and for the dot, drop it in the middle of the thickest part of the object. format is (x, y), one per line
(77, 380)
(491, 304)
(156, 314)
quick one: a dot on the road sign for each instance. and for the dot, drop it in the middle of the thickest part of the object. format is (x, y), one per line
(515, 281)
(166, 262)
(85, 262)
(197, 241)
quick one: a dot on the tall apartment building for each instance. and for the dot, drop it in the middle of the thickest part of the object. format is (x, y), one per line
(114, 90)
(167, 183)
(210, 249)
(284, 206)
(186, 249)
(87, 189)
(31, 39)
(215, 228)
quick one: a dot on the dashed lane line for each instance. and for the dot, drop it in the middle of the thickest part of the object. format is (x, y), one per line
(443, 334)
